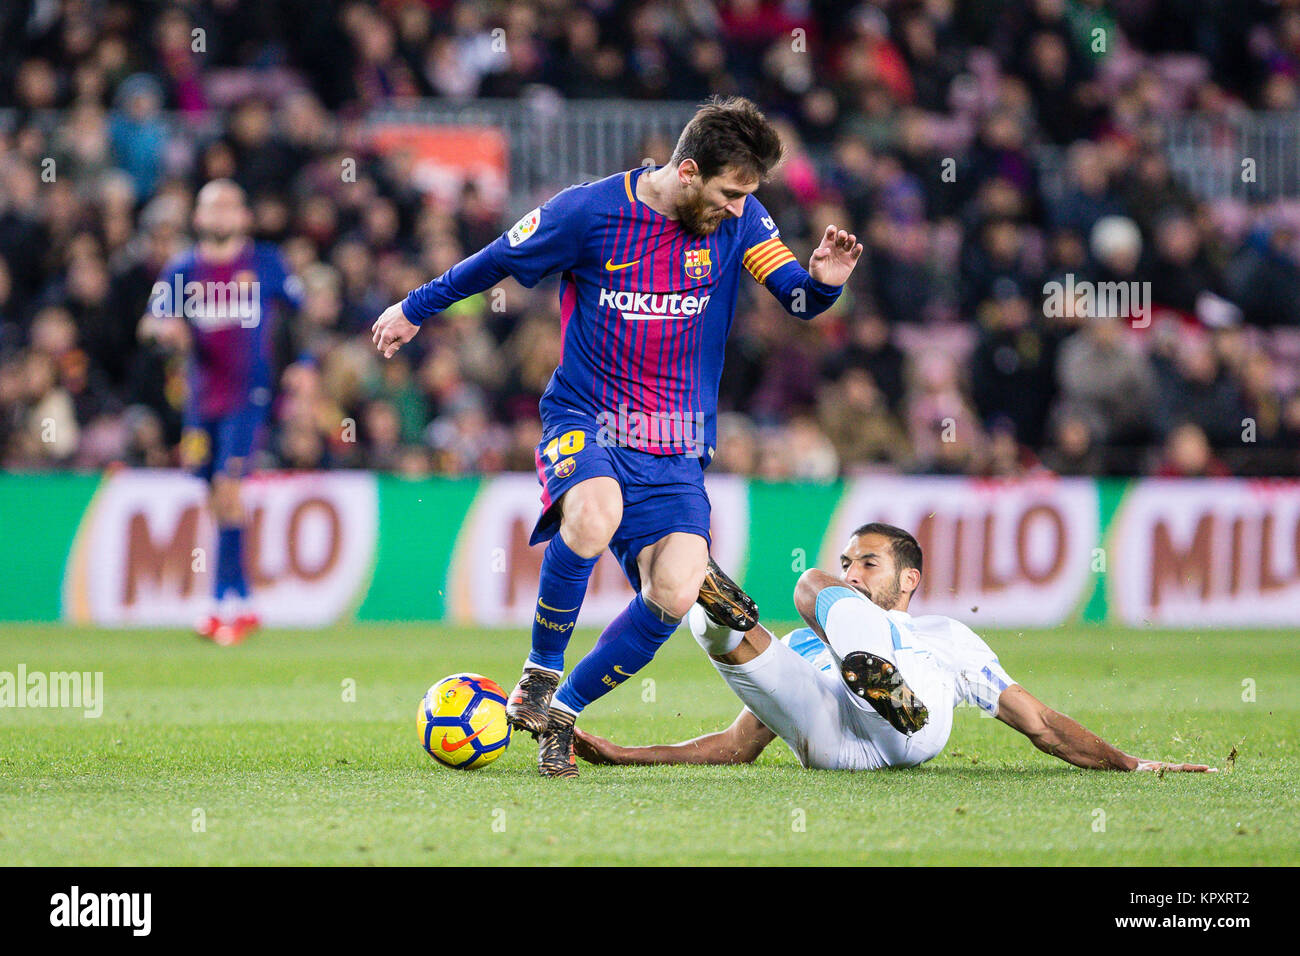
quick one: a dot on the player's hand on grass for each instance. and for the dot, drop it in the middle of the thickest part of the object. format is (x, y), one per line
(392, 330)
(1157, 766)
(594, 749)
(832, 262)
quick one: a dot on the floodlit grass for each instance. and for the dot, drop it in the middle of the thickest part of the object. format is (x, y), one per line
(251, 755)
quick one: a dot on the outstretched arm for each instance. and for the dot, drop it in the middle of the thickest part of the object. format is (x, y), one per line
(805, 293)
(1061, 736)
(742, 742)
(400, 321)
(545, 241)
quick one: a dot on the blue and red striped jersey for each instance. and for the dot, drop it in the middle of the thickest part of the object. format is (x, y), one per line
(231, 308)
(645, 306)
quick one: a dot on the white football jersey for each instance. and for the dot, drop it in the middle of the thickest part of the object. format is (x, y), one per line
(795, 688)
(968, 670)
(944, 662)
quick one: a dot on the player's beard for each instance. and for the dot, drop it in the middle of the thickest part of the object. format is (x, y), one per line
(216, 237)
(886, 598)
(697, 218)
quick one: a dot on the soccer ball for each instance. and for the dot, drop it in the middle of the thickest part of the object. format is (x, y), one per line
(462, 721)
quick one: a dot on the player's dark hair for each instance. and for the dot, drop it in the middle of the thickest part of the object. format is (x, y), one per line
(730, 131)
(905, 548)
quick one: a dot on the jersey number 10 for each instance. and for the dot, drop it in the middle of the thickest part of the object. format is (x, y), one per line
(570, 443)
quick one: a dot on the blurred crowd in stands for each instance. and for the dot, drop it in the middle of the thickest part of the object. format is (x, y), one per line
(918, 124)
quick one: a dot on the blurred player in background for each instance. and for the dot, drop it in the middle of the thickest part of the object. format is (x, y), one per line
(650, 262)
(865, 685)
(219, 303)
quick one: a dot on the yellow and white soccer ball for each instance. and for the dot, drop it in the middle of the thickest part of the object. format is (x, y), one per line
(462, 721)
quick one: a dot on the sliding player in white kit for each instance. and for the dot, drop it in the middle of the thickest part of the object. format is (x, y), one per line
(865, 685)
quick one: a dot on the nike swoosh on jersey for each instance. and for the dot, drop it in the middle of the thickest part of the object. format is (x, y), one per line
(609, 265)
(619, 670)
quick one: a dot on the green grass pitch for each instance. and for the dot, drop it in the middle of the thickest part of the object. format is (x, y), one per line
(251, 755)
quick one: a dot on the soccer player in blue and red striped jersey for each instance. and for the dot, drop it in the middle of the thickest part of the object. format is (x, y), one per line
(650, 261)
(219, 303)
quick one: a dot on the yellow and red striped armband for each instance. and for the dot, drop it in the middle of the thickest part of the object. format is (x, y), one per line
(766, 257)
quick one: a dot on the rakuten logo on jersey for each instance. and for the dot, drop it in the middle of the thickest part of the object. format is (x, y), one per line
(647, 306)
